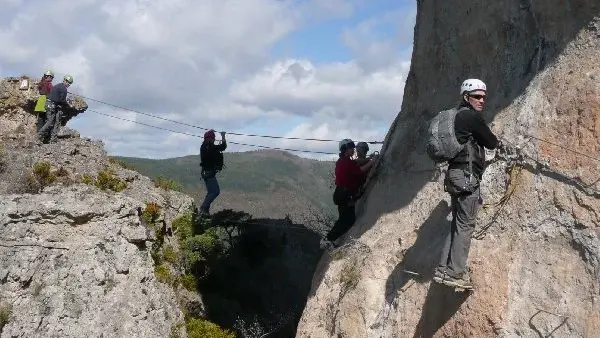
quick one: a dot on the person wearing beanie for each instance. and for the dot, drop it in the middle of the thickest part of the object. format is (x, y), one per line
(211, 161)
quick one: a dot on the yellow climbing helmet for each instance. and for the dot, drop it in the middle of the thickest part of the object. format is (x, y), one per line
(69, 78)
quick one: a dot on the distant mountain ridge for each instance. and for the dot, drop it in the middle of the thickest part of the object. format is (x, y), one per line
(265, 183)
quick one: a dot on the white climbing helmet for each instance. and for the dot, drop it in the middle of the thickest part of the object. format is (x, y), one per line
(470, 85)
(346, 143)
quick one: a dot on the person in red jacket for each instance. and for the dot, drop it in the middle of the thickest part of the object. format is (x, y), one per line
(349, 176)
(44, 88)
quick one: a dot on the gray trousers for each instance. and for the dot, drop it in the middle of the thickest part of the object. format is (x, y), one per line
(465, 205)
(41, 120)
(49, 131)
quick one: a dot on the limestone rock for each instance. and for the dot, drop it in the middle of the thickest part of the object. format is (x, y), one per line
(17, 104)
(75, 258)
(74, 263)
(535, 261)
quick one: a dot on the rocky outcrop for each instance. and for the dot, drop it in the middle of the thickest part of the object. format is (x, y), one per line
(18, 96)
(74, 262)
(535, 258)
(75, 250)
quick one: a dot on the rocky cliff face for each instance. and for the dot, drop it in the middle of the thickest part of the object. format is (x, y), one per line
(535, 258)
(75, 253)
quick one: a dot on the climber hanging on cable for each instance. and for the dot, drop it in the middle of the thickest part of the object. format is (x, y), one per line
(211, 161)
(56, 103)
(44, 88)
(459, 136)
(349, 176)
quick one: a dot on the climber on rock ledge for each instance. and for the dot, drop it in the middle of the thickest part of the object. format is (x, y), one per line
(462, 182)
(349, 176)
(44, 88)
(56, 103)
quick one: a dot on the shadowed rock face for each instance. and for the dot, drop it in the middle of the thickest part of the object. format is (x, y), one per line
(535, 260)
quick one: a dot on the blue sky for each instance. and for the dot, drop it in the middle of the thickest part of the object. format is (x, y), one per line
(321, 42)
(313, 68)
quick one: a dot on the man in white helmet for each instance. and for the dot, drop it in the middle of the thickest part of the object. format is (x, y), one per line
(349, 176)
(462, 182)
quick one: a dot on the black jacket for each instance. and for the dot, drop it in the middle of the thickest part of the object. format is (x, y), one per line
(469, 125)
(211, 157)
(58, 94)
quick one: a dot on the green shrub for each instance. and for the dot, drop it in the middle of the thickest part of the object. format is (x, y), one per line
(170, 255)
(5, 313)
(3, 162)
(40, 177)
(201, 328)
(106, 179)
(183, 226)
(175, 329)
(188, 281)
(157, 245)
(167, 184)
(163, 274)
(87, 179)
(198, 248)
(42, 173)
(151, 213)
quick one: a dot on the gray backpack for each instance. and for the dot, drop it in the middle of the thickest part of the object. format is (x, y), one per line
(442, 144)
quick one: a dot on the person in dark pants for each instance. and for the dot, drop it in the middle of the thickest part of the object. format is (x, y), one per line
(44, 88)
(211, 161)
(462, 183)
(349, 176)
(55, 103)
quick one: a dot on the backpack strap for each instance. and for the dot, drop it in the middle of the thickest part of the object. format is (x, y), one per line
(469, 146)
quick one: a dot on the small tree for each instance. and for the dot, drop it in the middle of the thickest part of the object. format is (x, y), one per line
(229, 221)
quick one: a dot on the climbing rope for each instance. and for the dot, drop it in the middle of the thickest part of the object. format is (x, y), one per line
(518, 163)
(204, 128)
(513, 181)
(199, 136)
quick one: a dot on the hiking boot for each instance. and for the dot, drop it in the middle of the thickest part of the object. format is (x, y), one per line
(439, 275)
(462, 282)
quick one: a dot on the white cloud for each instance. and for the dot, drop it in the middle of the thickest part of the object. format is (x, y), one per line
(298, 86)
(208, 63)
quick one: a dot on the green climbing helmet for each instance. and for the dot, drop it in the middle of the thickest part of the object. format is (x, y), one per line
(49, 73)
(69, 78)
